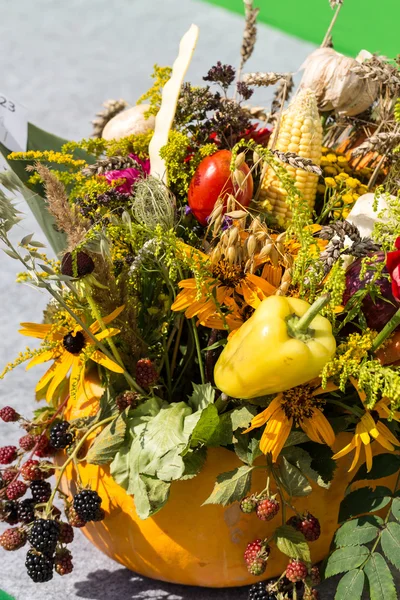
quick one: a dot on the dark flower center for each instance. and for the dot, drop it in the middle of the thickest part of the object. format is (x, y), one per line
(74, 343)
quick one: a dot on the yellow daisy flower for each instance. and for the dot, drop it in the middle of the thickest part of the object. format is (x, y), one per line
(70, 349)
(298, 406)
(330, 182)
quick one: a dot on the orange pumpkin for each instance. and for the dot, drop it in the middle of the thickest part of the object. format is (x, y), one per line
(191, 544)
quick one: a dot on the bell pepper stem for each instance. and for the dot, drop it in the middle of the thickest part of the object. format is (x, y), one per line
(298, 327)
(386, 331)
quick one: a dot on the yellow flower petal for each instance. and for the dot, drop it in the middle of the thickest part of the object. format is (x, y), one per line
(107, 333)
(40, 358)
(36, 330)
(357, 454)
(63, 365)
(262, 417)
(106, 362)
(322, 426)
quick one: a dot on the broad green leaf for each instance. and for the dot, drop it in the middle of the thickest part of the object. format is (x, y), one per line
(108, 442)
(205, 426)
(231, 487)
(364, 500)
(295, 438)
(292, 543)
(150, 495)
(302, 460)
(248, 448)
(345, 559)
(292, 479)
(381, 585)
(384, 465)
(241, 417)
(322, 461)
(194, 462)
(358, 531)
(120, 467)
(223, 434)
(203, 395)
(396, 508)
(390, 542)
(351, 586)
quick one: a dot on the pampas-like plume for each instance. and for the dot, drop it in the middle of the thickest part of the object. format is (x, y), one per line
(74, 226)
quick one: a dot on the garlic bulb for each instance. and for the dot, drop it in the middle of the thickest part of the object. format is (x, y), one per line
(129, 122)
(328, 73)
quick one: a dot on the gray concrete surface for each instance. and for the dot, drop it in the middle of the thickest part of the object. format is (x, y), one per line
(62, 60)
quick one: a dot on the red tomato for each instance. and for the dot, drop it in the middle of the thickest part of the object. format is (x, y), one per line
(213, 179)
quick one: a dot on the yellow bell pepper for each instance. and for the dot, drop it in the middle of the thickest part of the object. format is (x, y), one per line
(285, 343)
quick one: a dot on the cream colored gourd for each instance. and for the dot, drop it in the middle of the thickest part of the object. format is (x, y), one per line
(300, 132)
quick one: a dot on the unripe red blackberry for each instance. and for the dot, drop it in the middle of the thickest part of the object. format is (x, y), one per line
(43, 447)
(39, 566)
(9, 475)
(63, 562)
(9, 512)
(296, 571)
(7, 455)
(308, 525)
(257, 567)
(60, 436)
(27, 442)
(248, 504)
(66, 533)
(40, 490)
(74, 519)
(146, 373)
(311, 595)
(8, 414)
(256, 549)
(43, 535)
(26, 510)
(126, 399)
(267, 508)
(315, 575)
(13, 539)
(33, 470)
(77, 264)
(16, 489)
(87, 504)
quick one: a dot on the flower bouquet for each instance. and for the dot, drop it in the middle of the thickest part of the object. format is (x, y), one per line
(222, 388)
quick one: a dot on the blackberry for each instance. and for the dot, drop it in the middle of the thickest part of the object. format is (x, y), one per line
(8, 414)
(9, 512)
(257, 567)
(40, 490)
(258, 591)
(60, 437)
(100, 514)
(2, 482)
(66, 533)
(146, 373)
(76, 264)
(13, 539)
(26, 510)
(44, 535)
(16, 489)
(308, 525)
(87, 504)
(296, 571)
(9, 475)
(267, 508)
(27, 442)
(39, 566)
(255, 550)
(74, 519)
(33, 470)
(63, 562)
(43, 447)
(7, 455)
(126, 399)
(248, 504)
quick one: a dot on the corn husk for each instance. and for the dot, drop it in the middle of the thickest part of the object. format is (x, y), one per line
(328, 73)
(129, 122)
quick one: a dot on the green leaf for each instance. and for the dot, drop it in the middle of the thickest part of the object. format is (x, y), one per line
(358, 531)
(292, 543)
(295, 438)
(120, 467)
(351, 586)
(291, 478)
(206, 425)
(203, 395)
(150, 495)
(194, 462)
(301, 459)
(223, 434)
(381, 585)
(345, 559)
(248, 448)
(231, 487)
(384, 465)
(108, 442)
(390, 542)
(396, 508)
(322, 461)
(364, 500)
(241, 417)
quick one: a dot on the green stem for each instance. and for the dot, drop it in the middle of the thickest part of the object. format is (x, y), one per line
(353, 409)
(386, 331)
(198, 350)
(73, 456)
(299, 327)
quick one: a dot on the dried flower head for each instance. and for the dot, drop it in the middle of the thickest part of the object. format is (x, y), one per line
(222, 74)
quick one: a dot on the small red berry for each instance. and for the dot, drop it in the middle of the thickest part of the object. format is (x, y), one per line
(33, 470)
(311, 595)
(66, 533)
(296, 571)
(13, 539)
(9, 475)
(8, 414)
(74, 519)
(63, 562)
(16, 489)
(126, 399)
(257, 567)
(315, 576)
(7, 454)
(248, 504)
(43, 447)
(267, 508)
(146, 373)
(308, 525)
(27, 442)
(256, 549)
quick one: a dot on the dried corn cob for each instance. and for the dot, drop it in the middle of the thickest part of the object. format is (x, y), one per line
(300, 132)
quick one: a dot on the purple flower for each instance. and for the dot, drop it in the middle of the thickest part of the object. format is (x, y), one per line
(131, 174)
(188, 210)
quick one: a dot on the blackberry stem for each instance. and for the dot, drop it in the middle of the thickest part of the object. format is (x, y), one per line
(73, 456)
